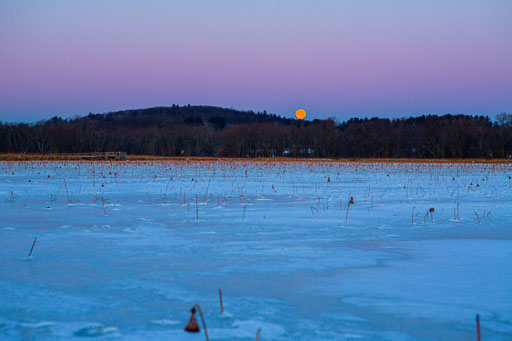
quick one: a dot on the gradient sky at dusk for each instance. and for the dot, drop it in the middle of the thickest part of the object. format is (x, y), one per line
(333, 58)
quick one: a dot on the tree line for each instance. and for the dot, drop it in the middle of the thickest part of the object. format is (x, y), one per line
(211, 131)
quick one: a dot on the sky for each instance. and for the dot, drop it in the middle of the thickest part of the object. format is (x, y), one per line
(340, 58)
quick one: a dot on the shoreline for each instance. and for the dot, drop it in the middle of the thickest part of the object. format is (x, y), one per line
(77, 157)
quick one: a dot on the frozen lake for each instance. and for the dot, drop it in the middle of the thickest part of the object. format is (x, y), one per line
(124, 250)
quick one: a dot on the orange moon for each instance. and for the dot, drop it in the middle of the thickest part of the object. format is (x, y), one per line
(300, 113)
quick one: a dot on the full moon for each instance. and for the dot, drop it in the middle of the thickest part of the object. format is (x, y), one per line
(300, 113)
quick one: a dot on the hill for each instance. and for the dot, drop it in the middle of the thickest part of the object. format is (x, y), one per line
(194, 115)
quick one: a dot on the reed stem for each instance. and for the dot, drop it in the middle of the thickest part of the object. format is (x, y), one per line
(32, 248)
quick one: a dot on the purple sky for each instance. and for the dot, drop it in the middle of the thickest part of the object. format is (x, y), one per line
(333, 58)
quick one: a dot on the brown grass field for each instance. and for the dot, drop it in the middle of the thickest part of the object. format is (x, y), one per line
(76, 157)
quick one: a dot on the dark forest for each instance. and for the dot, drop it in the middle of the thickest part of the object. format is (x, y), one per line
(211, 131)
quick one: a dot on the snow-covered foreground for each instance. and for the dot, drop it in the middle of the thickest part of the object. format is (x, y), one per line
(128, 248)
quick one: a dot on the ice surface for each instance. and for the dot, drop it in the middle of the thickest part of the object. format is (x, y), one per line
(127, 251)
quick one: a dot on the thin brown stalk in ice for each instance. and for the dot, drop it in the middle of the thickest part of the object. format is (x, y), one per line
(197, 210)
(66, 185)
(220, 297)
(351, 201)
(206, 193)
(478, 327)
(258, 334)
(32, 248)
(103, 205)
(202, 320)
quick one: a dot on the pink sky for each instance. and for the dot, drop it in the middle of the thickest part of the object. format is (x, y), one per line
(333, 58)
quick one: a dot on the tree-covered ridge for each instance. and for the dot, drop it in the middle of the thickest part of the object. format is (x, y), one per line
(212, 131)
(179, 114)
